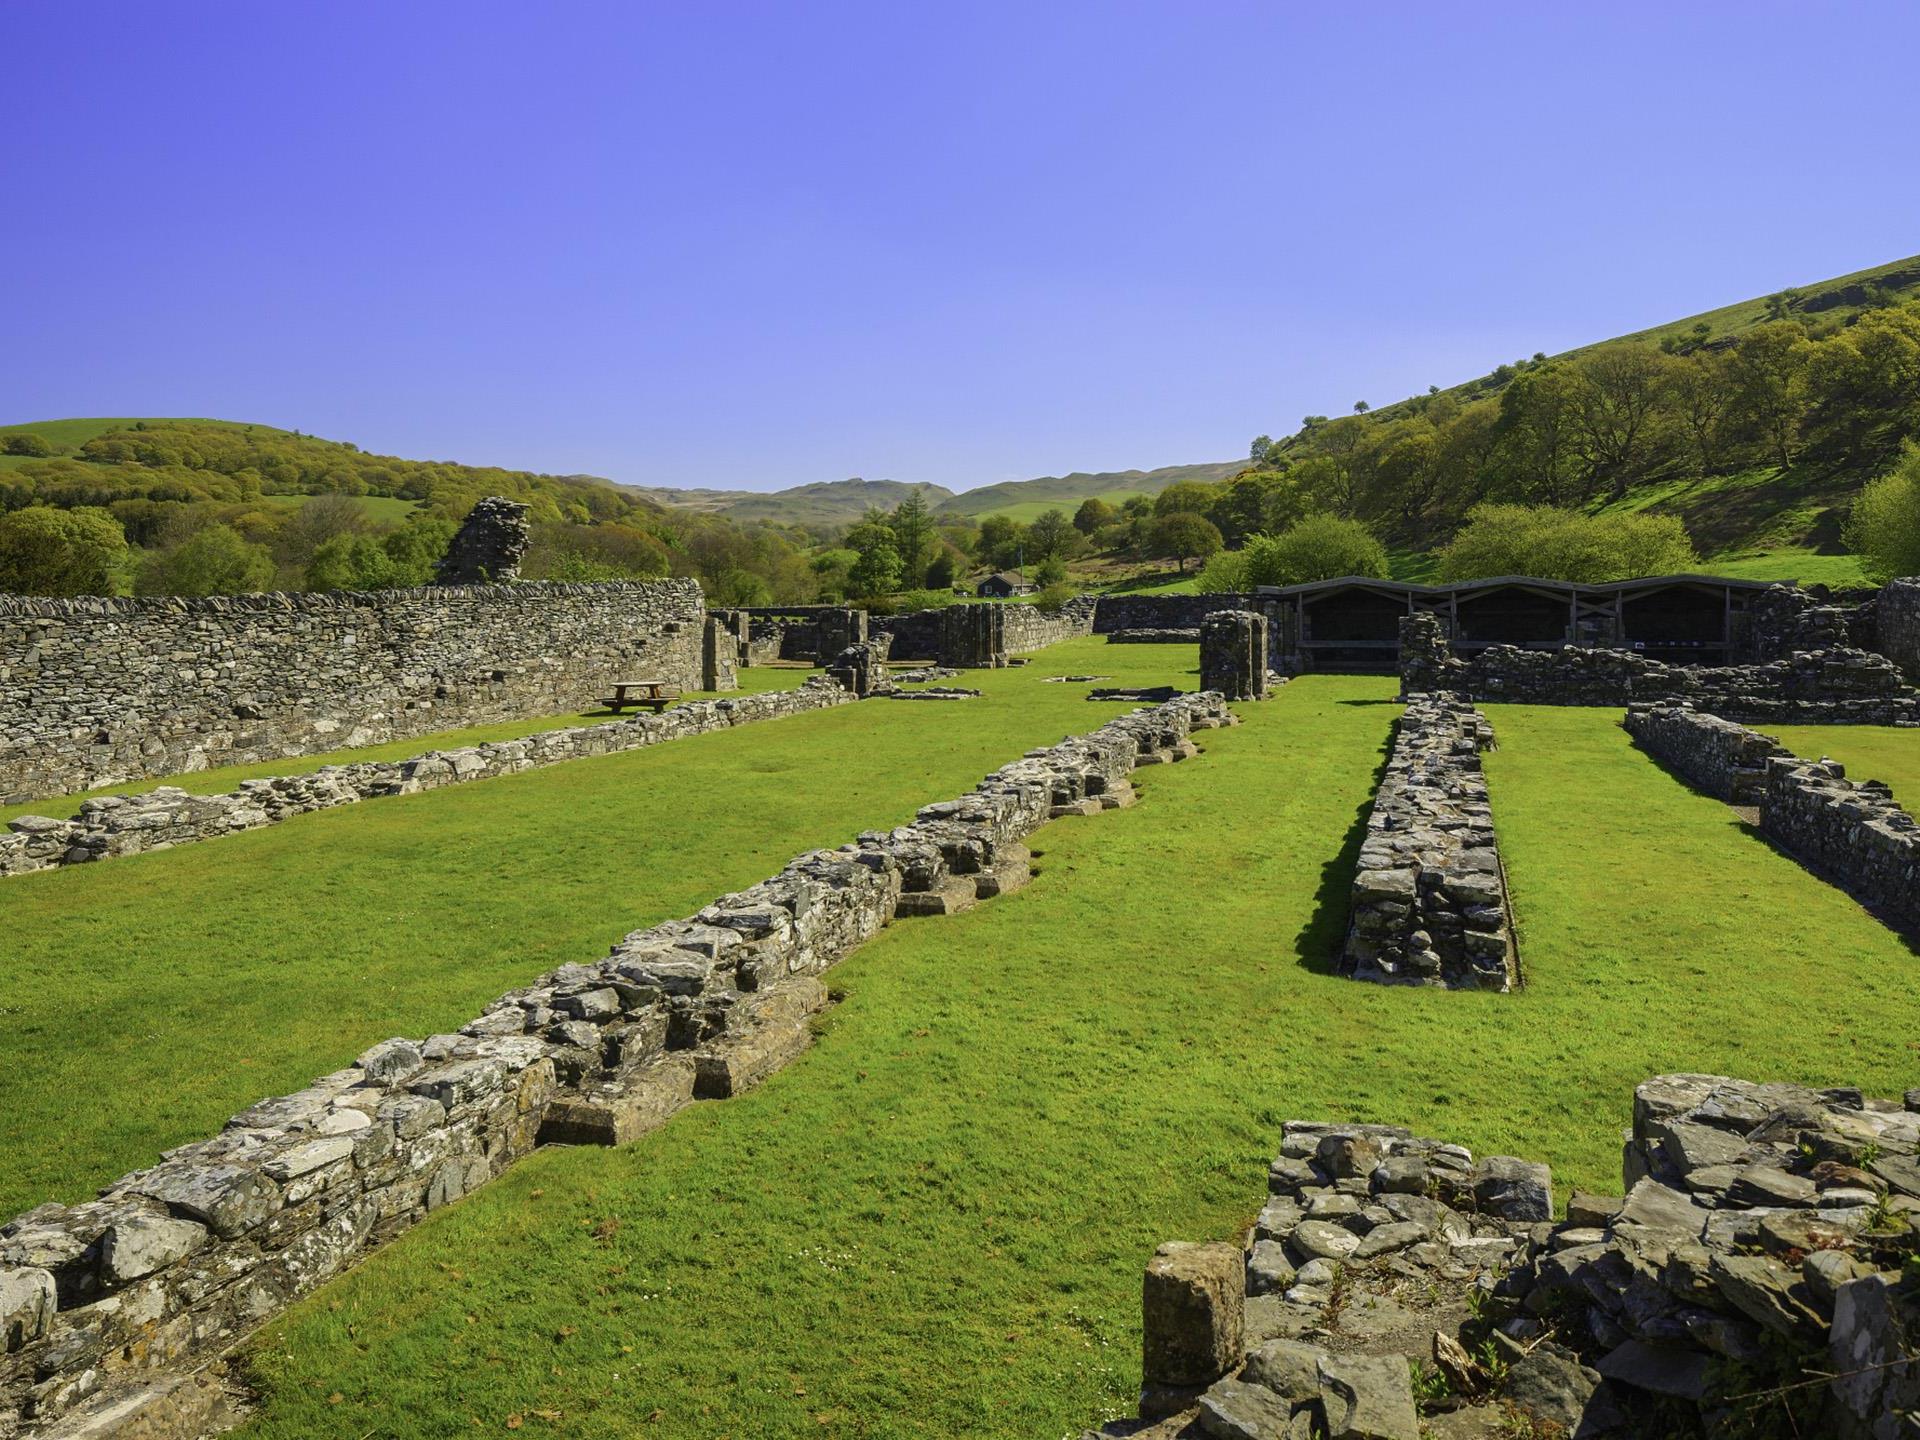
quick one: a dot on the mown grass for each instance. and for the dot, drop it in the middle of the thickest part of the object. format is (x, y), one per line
(147, 998)
(211, 782)
(932, 1225)
(1870, 752)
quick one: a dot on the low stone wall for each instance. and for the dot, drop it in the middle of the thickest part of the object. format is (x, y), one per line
(1726, 760)
(1163, 612)
(1153, 637)
(114, 825)
(1749, 1281)
(98, 691)
(1855, 833)
(104, 1303)
(1833, 686)
(1429, 893)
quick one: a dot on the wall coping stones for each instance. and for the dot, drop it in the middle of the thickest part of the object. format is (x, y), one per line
(1429, 899)
(105, 1302)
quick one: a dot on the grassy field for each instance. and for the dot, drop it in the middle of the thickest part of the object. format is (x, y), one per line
(212, 782)
(149, 997)
(933, 1224)
(1870, 752)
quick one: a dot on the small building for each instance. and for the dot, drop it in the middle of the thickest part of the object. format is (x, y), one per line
(1005, 584)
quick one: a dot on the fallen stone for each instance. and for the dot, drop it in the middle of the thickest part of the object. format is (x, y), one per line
(1193, 1313)
(1368, 1397)
(1235, 1410)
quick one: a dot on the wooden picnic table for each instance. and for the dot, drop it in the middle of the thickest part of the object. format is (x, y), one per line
(657, 694)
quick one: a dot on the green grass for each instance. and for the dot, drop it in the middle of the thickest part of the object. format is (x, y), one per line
(212, 782)
(1870, 752)
(933, 1223)
(147, 998)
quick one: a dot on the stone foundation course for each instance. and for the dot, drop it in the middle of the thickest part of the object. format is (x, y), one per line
(1429, 900)
(115, 825)
(96, 692)
(104, 1305)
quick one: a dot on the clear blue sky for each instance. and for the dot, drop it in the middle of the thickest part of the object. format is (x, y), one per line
(754, 245)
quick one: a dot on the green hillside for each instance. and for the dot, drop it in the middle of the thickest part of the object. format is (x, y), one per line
(1028, 499)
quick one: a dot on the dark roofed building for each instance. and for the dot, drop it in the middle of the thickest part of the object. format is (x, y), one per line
(1004, 584)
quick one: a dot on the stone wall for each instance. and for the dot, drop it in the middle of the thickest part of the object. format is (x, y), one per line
(1429, 893)
(1833, 686)
(172, 1265)
(1749, 1281)
(916, 635)
(1853, 832)
(1898, 622)
(1163, 612)
(1725, 760)
(114, 825)
(983, 636)
(1233, 654)
(97, 691)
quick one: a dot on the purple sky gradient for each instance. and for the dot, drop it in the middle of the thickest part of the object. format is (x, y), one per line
(755, 245)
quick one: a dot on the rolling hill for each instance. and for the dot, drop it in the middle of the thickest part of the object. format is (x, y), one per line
(824, 504)
(1028, 499)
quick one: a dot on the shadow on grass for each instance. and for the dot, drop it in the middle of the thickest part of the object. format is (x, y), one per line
(1320, 939)
(1370, 702)
(1744, 821)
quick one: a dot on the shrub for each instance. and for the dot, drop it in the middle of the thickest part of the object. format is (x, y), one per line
(213, 561)
(1050, 571)
(44, 551)
(1224, 572)
(1884, 528)
(1053, 599)
(25, 442)
(1320, 547)
(1558, 544)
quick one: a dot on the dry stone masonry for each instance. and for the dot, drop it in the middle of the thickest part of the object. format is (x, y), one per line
(104, 1304)
(98, 691)
(1755, 1277)
(1429, 894)
(1851, 832)
(1838, 685)
(114, 825)
(1233, 654)
(488, 545)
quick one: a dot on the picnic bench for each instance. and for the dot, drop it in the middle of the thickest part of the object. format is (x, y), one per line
(657, 694)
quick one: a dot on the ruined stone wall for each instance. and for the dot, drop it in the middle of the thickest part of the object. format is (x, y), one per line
(1429, 893)
(1164, 612)
(1233, 654)
(1725, 760)
(1853, 832)
(96, 691)
(916, 635)
(1897, 619)
(115, 825)
(1028, 627)
(1748, 1281)
(172, 1265)
(1834, 686)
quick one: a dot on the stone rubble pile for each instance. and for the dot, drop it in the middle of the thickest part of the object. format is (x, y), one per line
(1429, 900)
(115, 825)
(1758, 1276)
(175, 1263)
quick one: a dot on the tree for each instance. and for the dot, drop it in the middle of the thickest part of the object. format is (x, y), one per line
(1257, 500)
(1320, 547)
(1702, 390)
(1050, 572)
(1617, 404)
(1184, 536)
(1185, 496)
(1261, 452)
(913, 536)
(1770, 372)
(876, 566)
(1094, 514)
(213, 561)
(44, 551)
(1000, 537)
(1052, 535)
(1560, 544)
(1884, 528)
(25, 442)
(944, 566)
(351, 562)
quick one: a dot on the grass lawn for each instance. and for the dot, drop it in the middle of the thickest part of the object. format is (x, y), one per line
(147, 998)
(933, 1224)
(1870, 752)
(212, 782)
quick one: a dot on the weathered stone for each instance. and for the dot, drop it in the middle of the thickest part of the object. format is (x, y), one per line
(1513, 1189)
(1873, 1330)
(1235, 1410)
(488, 546)
(1193, 1307)
(229, 1199)
(1289, 1368)
(1323, 1240)
(1368, 1397)
(138, 1245)
(1552, 1386)
(26, 1307)
(1268, 1269)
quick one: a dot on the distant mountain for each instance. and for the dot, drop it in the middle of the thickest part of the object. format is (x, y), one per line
(823, 503)
(1027, 499)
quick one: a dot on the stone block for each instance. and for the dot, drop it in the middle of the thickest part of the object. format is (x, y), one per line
(1193, 1313)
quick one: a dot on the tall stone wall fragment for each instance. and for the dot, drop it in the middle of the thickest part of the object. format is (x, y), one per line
(1233, 654)
(487, 547)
